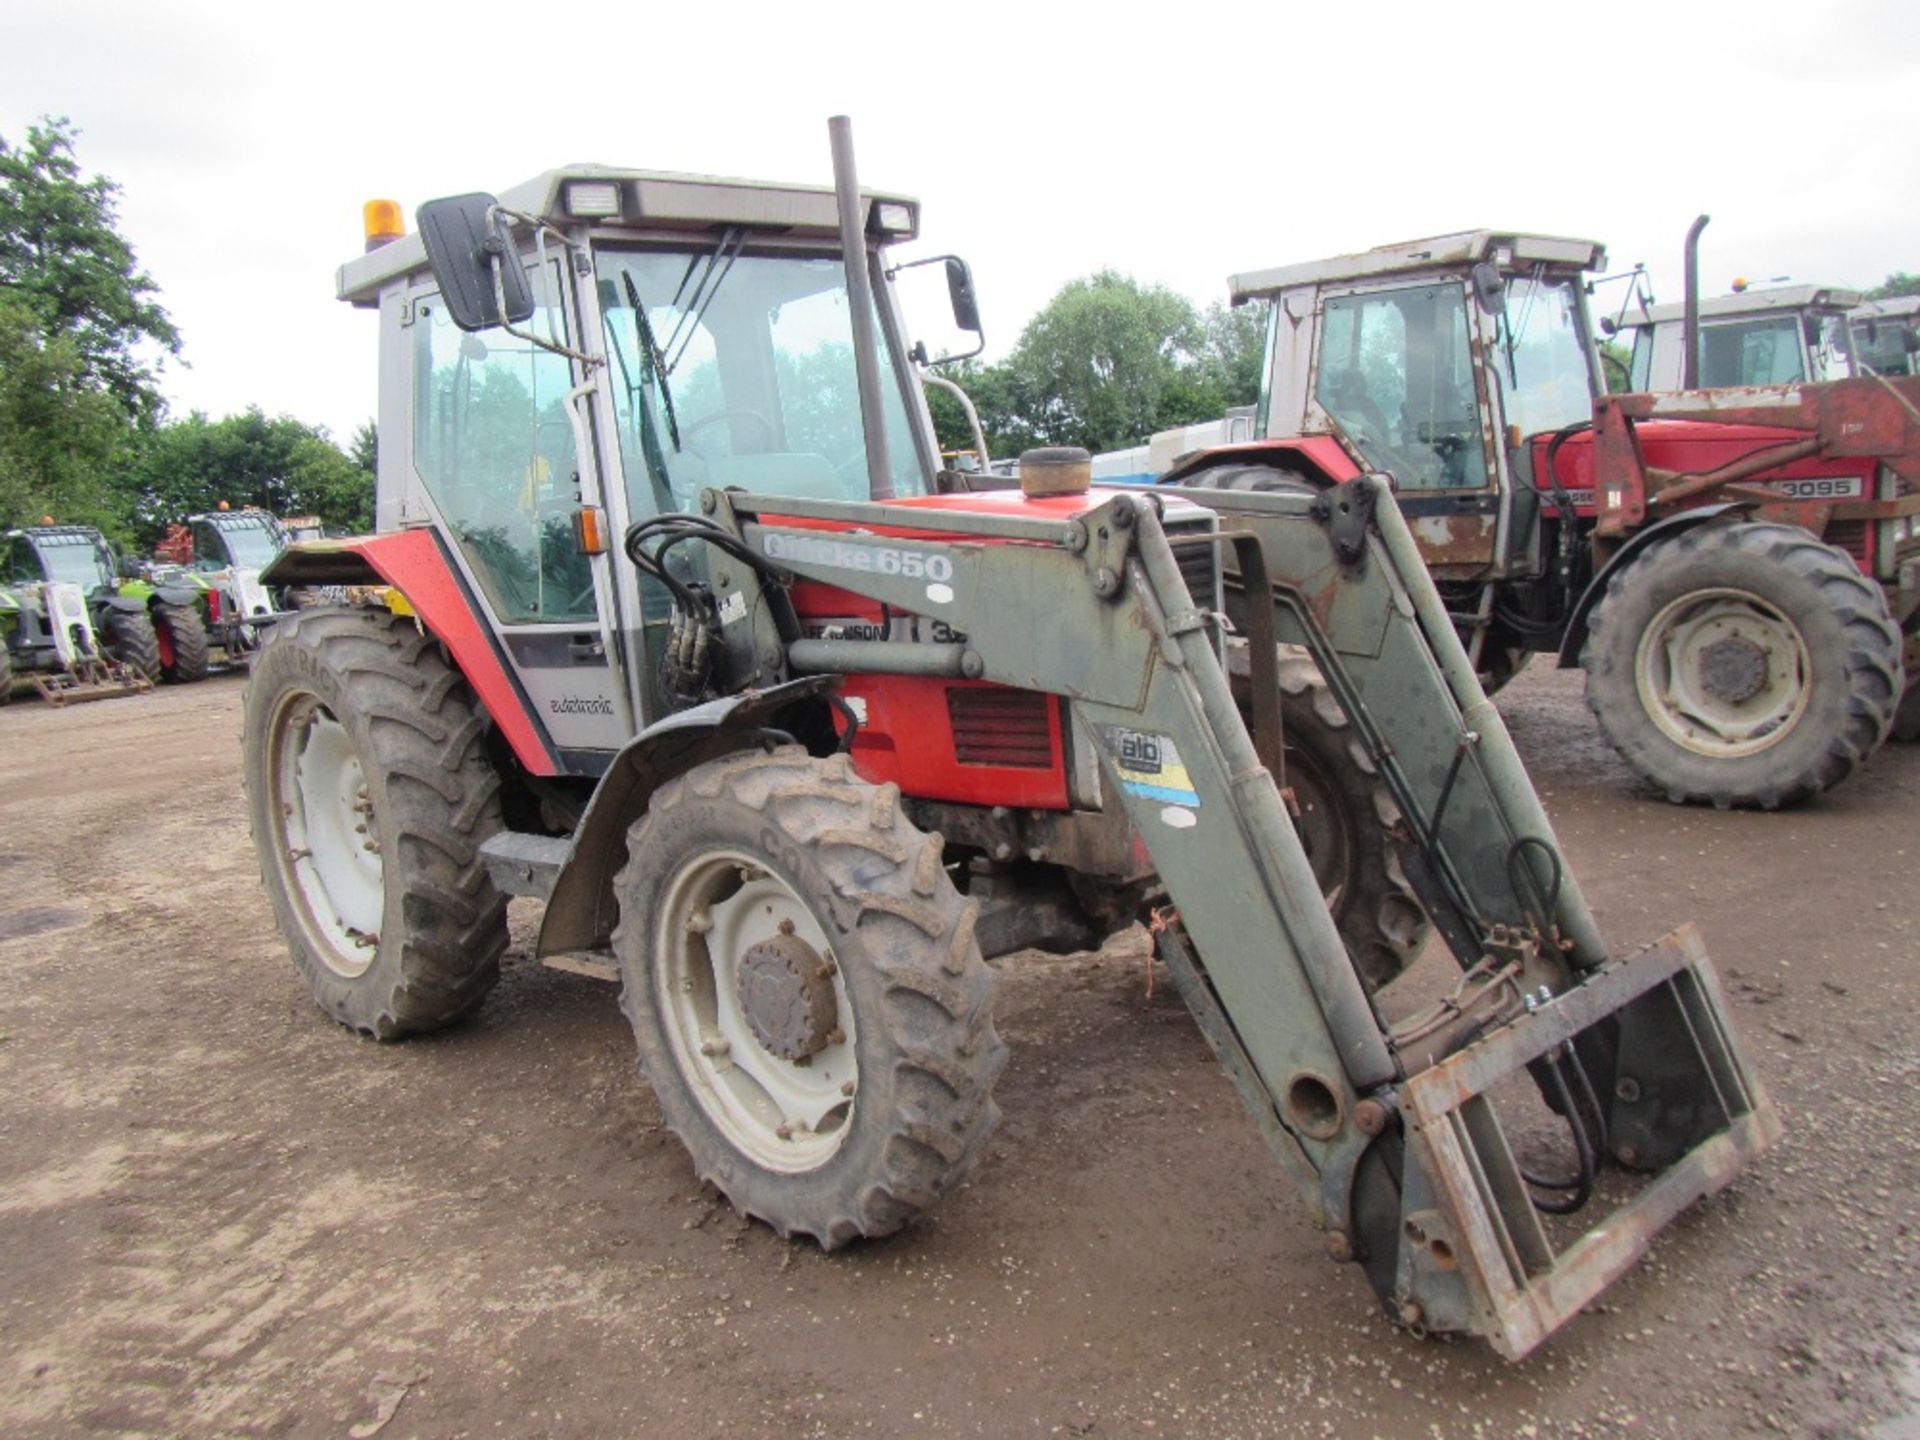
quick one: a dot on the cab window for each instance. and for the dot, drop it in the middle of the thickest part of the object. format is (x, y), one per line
(1395, 373)
(494, 446)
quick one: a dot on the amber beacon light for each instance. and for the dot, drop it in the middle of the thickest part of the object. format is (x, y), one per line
(383, 222)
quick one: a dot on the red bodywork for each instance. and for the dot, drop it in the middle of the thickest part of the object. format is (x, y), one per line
(964, 741)
(412, 562)
(957, 740)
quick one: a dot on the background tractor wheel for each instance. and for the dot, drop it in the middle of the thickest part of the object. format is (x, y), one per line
(808, 999)
(6, 671)
(1264, 478)
(128, 636)
(369, 793)
(182, 637)
(1906, 716)
(1346, 813)
(1746, 665)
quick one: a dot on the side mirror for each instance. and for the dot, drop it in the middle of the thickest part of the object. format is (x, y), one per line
(966, 309)
(474, 262)
(1489, 287)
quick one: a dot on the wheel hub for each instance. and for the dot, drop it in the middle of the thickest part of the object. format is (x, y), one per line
(1733, 669)
(786, 996)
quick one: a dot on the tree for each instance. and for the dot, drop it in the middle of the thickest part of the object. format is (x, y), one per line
(61, 440)
(1895, 285)
(1094, 367)
(281, 465)
(75, 275)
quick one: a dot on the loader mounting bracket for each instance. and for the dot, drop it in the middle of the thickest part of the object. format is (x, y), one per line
(1347, 512)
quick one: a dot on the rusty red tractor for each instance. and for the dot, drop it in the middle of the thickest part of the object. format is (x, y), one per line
(1737, 570)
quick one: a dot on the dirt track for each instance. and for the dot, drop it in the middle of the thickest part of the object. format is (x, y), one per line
(220, 1214)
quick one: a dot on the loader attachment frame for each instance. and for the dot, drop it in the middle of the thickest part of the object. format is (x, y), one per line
(1385, 1128)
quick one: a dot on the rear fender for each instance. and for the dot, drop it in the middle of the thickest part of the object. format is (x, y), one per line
(415, 563)
(580, 910)
(1319, 459)
(1575, 638)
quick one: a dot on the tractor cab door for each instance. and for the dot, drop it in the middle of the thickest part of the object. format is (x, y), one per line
(1396, 374)
(498, 466)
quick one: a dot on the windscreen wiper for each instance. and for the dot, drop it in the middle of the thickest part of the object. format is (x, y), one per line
(713, 269)
(653, 374)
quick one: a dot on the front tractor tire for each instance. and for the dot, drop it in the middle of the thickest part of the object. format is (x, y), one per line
(809, 1002)
(185, 654)
(1745, 665)
(369, 793)
(128, 637)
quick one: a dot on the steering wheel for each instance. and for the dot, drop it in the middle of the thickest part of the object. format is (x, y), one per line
(729, 412)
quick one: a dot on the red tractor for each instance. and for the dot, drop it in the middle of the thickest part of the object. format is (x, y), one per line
(689, 636)
(1737, 570)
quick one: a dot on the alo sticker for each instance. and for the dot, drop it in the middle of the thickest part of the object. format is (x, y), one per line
(1149, 766)
(733, 608)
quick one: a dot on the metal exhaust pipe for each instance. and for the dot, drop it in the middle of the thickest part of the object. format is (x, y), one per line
(866, 360)
(1690, 310)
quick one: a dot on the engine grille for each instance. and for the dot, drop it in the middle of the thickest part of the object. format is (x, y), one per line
(1853, 536)
(994, 726)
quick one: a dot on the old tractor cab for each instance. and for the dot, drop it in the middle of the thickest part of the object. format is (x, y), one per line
(1731, 567)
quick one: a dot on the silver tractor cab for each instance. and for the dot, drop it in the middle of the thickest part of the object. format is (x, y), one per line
(706, 325)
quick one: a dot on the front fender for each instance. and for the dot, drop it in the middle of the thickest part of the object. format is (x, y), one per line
(1575, 638)
(180, 595)
(581, 910)
(133, 604)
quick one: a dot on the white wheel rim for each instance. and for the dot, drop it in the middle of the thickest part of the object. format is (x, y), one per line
(328, 845)
(1723, 673)
(786, 1116)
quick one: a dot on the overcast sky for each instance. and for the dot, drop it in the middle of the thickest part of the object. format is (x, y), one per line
(1176, 143)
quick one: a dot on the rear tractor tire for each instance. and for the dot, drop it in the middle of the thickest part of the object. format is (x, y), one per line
(128, 636)
(1746, 665)
(369, 793)
(184, 650)
(1345, 820)
(808, 999)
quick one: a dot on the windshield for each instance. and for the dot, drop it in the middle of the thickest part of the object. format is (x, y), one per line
(252, 546)
(734, 368)
(1543, 368)
(73, 560)
(1752, 352)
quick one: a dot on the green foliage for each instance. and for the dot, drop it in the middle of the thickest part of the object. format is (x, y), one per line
(365, 450)
(61, 440)
(1616, 365)
(281, 465)
(1105, 364)
(1895, 285)
(63, 261)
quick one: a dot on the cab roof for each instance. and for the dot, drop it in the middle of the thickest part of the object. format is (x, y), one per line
(1507, 248)
(1828, 298)
(649, 199)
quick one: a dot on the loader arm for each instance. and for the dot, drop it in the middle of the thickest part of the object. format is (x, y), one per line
(1387, 1130)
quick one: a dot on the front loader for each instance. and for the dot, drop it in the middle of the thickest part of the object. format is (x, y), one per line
(823, 729)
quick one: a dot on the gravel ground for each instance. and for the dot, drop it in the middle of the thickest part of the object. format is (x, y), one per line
(220, 1214)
